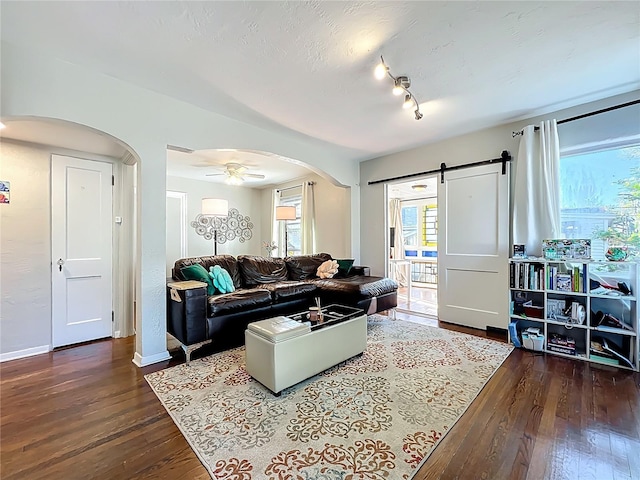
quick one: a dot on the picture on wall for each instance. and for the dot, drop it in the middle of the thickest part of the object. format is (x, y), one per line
(5, 192)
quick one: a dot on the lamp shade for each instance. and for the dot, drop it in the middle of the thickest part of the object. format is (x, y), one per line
(285, 212)
(215, 207)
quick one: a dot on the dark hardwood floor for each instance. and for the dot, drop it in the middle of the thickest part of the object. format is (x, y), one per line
(86, 412)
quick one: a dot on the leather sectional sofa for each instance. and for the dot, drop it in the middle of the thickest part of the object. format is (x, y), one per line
(265, 287)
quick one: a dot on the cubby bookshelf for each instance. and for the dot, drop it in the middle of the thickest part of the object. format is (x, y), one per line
(585, 309)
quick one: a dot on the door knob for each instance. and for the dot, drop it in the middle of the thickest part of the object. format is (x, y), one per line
(60, 262)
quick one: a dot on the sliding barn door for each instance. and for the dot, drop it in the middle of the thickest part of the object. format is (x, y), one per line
(473, 247)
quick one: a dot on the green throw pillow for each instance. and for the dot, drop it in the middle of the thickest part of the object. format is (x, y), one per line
(344, 266)
(198, 272)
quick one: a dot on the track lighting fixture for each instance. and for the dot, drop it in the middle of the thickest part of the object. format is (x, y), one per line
(401, 85)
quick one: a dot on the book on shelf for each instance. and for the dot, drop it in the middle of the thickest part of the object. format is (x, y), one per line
(562, 340)
(563, 282)
(604, 359)
(526, 275)
(560, 349)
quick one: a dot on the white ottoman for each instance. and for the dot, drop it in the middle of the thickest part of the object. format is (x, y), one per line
(281, 352)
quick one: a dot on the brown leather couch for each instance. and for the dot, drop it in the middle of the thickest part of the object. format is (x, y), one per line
(265, 287)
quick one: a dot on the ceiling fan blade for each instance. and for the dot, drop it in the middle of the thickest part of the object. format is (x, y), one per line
(213, 174)
(253, 175)
(177, 148)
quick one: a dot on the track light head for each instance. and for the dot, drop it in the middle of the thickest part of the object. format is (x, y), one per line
(418, 114)
(408, 101)
(401, 85)
(381, 70)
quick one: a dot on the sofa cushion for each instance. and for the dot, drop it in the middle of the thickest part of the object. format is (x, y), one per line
(228, 262)
(303, 267)
(357, 285)
(288, 290)
(256, 270)
(197, 272)
(238, 301)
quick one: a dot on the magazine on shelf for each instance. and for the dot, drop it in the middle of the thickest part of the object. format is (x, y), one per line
(601, 347)
(608, 320)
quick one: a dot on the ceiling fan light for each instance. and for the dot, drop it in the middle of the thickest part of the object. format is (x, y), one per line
(233, 180)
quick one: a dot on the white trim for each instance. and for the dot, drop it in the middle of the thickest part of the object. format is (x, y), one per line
(141, 361)
(182, 196)
(593, 147)
(27, 352)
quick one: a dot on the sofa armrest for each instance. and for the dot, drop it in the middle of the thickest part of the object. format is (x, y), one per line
(187, 312)
(360, 270)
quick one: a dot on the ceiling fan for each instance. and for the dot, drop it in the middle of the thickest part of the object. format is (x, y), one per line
(236, 174)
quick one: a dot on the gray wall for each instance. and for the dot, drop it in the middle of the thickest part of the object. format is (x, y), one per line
(333, 216)
(477, 146)
(25, 248)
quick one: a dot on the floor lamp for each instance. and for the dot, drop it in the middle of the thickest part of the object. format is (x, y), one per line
(215, 207)
(284, 213)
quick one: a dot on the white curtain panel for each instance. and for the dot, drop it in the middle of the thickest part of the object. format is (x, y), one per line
(395, 221)
(308, 220)
(536, 199)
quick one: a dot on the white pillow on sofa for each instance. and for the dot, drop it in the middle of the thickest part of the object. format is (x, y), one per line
(327, 269)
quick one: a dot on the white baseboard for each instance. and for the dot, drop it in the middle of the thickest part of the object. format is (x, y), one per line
(27, 352)
(141, 361)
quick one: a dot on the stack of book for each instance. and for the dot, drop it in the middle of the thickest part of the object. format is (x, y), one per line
(605, 351)
(561, 344)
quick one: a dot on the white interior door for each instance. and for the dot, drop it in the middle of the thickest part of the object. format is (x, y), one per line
(473, 247)
(81, 247)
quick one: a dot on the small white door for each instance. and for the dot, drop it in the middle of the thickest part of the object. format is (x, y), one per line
(81, 247)
(473, 247)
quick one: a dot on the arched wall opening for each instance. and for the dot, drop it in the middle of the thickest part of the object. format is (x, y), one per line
(28, 147)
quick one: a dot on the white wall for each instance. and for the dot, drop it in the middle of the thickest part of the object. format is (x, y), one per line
(333, 216)
(478, 146)
(25, 250)
(246, 200)
(34, 84)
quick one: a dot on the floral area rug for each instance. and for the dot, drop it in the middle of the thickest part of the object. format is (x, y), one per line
(376, 416)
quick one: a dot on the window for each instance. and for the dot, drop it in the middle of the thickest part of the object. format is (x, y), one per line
(600, 198)
(419, 225)
(429, 225)
(290, 229)
(410, 226)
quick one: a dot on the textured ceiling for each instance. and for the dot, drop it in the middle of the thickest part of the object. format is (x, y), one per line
(306, 68)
